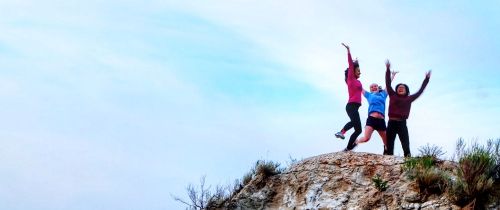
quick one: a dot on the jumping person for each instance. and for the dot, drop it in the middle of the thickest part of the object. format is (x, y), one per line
(399, 110)
(354, 88)
(376, 113)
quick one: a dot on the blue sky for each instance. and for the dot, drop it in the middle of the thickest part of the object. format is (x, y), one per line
(121, 104)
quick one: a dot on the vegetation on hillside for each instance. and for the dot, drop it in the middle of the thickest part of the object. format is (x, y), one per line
(471, 179)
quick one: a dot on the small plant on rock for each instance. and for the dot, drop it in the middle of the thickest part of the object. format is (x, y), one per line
(379, 183)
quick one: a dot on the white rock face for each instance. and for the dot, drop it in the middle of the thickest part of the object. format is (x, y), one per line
(341, 180)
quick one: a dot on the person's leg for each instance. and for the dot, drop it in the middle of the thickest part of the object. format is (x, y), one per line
(367, 136)
(405, 139)
(356, 121)
(383, 136)
(341, 133)
(391, 136)
(381, 129)
(347, 126)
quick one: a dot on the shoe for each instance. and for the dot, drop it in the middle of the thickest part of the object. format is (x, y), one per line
(340, 135)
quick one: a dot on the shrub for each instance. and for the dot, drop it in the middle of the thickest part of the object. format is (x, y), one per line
(267, 168)
(203, 198)
(474, 175)
(494, 145)
(410, 163)
(434, 152)
(431, 181)
(247, 178)
(414, 166)
(429, 156)
(423, 169)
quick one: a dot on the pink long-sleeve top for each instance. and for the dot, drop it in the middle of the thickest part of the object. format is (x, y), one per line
(354, 86)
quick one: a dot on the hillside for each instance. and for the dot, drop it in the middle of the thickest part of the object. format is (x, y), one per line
(341, 180)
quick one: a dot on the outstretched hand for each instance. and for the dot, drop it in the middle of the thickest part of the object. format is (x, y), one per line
(428, 74)
(387, 64)
(346, 46)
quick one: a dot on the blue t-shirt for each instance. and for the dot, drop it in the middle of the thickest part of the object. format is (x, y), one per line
(376, 101)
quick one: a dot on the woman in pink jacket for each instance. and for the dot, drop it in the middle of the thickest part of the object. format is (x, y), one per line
(354, 88)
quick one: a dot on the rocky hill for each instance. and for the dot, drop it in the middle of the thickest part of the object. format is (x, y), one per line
(341, 180)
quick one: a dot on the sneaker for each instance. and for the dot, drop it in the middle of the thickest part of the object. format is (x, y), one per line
(340, 135)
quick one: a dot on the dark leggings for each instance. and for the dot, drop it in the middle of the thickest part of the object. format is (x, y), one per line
(399, 128)
(352, 112)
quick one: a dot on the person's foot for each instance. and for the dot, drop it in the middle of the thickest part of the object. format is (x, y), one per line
(340, 135)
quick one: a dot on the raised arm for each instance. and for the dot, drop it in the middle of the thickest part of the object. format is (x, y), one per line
(393, 74)
(350, 73)
(422, 88)
(388, 78)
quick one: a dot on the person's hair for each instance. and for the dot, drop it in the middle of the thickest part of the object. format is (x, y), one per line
(345, 78)
(356, 65)
(406, 87)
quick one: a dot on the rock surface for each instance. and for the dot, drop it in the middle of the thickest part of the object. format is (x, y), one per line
(341, 180)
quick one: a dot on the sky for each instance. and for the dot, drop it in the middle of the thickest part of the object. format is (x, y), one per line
(122, 104)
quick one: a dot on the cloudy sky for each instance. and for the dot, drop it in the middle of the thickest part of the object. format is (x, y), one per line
(121, 104)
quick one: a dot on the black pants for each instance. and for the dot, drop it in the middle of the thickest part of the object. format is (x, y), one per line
(399, 128)
(352, 112)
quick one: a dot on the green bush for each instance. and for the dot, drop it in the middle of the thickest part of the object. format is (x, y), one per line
(474, 178)
(429, 156)
(379, 183)
(424, 170)
(413, 166)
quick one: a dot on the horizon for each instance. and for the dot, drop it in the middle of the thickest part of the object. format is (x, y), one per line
(120, 104)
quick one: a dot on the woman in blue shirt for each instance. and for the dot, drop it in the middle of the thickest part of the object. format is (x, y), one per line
(376, 111)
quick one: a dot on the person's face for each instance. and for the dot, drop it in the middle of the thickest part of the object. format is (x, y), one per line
(373, 88)
(401, 90)
(357, 72)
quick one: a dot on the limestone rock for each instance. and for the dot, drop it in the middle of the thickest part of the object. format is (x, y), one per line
(341, 180)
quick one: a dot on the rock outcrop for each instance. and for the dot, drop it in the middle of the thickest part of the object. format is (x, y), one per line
(341, 180)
